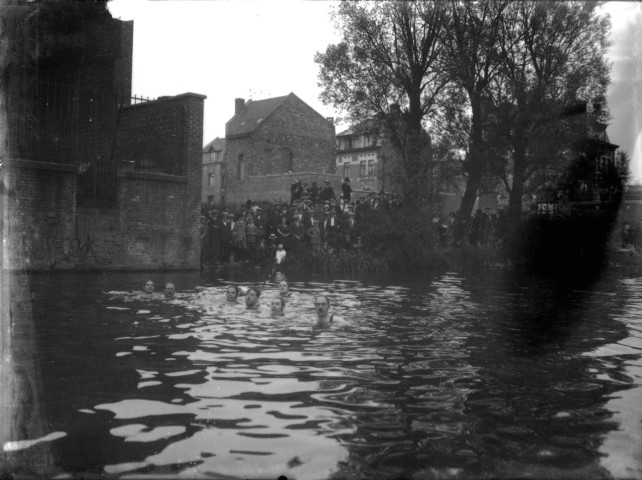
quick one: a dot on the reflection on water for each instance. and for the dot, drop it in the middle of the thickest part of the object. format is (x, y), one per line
(447, 377)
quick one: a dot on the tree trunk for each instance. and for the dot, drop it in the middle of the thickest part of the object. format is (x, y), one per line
(475, 159)
(517, 189)
(414, 152)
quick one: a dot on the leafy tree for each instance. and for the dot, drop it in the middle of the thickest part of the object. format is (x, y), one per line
(386, 68)
(553, 56)
(472, 60)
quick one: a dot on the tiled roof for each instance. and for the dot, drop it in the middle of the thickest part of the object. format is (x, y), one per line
(218, 144)
(255, 112)
(365, 126)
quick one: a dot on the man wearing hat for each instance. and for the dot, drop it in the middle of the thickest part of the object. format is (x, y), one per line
(329, 227)
(295, 191)
(327, 193)
(209, 238)
(346, 190)
(314, 234)
(225, 238)
(314, 193)
(298, 233)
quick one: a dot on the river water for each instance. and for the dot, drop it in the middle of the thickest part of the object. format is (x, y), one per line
(455, 375)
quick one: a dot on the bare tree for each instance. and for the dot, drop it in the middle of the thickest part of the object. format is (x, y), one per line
(386, 68)
(472, 60)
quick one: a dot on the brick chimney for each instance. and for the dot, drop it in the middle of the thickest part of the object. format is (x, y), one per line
(239, 105)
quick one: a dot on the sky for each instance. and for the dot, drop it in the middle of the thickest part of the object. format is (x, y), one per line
(258, 49)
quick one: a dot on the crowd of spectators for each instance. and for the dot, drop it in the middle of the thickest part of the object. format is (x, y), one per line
(319, 222)
(315, 220)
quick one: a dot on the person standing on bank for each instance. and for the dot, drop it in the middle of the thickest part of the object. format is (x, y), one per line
(280, 255)
(327, 193)
(346, 189)
(314, 234)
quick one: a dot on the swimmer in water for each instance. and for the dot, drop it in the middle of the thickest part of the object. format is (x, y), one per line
(232, 294)
(322, 309)
(284, 289)
(252, 298)
(148, 291)
(169, 291)
(277, 304)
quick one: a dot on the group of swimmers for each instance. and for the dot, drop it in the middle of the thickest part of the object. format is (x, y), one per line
(277, 303)
(252, 296)
(149, 292)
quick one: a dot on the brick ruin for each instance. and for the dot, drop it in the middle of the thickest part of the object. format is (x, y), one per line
(92, 177)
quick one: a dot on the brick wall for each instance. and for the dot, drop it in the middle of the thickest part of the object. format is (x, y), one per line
(155, 224)
(159, 213)
(150, 136)
(39, 225)
(293, 128)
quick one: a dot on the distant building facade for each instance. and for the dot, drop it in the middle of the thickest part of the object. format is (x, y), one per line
(359, 157)
(213, 158)
(273, 142)
(592, 179)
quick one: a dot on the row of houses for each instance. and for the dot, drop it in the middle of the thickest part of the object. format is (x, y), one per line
(271, 143)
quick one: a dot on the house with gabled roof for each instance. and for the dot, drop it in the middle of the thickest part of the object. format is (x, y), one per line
(272, 143)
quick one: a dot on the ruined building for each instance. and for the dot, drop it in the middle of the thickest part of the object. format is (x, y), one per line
(92, 177)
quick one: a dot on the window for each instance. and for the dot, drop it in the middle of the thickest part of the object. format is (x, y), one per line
(213, 156)
(346, 169)
(211, 181)
(240, 168)
(210, 200)
(362, 169)
(371, 168)
(345, 143)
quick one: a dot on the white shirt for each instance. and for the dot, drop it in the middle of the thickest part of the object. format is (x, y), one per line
(280, 256)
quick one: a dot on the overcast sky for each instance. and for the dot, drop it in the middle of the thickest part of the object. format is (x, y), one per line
(260, 49)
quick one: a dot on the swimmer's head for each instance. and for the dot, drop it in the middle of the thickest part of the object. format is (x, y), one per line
(252, 297)
(321, 305)
(277, 305)
(284, 288)
(169, 290)
(149, 286)
(232, 293)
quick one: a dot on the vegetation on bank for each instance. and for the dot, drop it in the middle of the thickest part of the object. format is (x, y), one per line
(398, 240)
